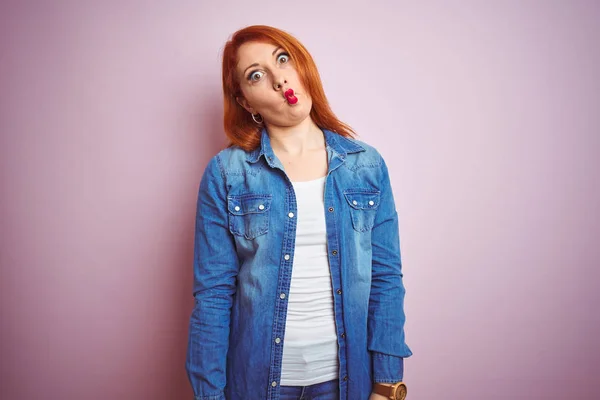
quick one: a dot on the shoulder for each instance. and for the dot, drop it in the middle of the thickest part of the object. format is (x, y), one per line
(232, 154)
(360, 153)
(370, 150)
(226, 160)
(367, 161)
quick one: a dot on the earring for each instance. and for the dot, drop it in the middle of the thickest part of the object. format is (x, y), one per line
(257, 121)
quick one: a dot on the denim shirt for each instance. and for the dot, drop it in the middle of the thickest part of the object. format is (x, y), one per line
(243, 254)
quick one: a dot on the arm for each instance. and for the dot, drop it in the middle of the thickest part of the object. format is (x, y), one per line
(215, 270)
(386, 319)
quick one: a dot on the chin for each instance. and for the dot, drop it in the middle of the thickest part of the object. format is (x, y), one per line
(292, 120)
(300, 114)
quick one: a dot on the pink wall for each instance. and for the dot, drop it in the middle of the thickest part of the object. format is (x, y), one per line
(486, 111)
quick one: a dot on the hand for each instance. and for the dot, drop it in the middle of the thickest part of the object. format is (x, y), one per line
(375, 396)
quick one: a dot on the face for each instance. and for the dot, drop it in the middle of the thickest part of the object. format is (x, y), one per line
(268, 77)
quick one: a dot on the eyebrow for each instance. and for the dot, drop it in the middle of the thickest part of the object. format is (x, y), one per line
(256, 64)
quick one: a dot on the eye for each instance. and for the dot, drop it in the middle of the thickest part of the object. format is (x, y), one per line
(255, 76)
(282, 58)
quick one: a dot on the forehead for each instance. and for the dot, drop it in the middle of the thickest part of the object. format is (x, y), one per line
(254, 52)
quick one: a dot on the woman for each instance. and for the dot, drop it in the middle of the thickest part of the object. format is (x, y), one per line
(297, 273)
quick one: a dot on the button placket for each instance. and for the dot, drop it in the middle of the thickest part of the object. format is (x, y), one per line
(333, 242)
(285, 264)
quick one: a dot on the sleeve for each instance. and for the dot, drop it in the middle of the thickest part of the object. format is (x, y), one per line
(386, 339)
(215, 270)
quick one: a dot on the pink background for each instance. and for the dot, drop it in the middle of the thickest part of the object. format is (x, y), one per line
(487, 112)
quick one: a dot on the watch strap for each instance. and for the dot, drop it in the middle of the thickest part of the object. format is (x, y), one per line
(396, 391)
(384, 390)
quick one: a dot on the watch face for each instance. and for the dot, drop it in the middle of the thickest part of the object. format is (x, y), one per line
(401, 392)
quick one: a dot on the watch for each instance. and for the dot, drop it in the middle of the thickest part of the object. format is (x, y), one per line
(395, 392)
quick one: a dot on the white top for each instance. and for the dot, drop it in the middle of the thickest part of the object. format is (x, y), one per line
(310, 348)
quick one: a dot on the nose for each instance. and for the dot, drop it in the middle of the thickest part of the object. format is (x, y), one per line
(279, 82)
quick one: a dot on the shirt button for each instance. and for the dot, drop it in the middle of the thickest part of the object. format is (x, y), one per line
(330, 209)
(287, 256)
(345, 378)
(277, 340)
(291, 215)
(371, 202)
(343, 335)
(261, 207)
(334, 252)
(282, 296)
(237, 208)
(354, 202)
(274, 384)
(339, 291)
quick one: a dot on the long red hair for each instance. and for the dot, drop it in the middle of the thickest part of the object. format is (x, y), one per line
(239, 127)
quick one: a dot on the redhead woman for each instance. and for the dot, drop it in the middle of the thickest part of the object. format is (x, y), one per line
(297, 269)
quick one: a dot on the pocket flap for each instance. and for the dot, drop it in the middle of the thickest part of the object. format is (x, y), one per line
(248, 203)
(362, 199)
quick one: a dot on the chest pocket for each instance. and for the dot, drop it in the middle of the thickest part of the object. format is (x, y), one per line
(363, 207)
(249, 214)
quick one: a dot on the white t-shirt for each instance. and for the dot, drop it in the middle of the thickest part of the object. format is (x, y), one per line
(310, 348)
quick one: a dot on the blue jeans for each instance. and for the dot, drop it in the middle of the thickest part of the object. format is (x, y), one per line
(321, 391)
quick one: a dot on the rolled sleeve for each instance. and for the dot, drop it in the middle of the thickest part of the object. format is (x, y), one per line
(215, 270)
(387, 369)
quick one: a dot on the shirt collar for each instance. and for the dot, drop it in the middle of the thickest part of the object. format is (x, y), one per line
(340, 145)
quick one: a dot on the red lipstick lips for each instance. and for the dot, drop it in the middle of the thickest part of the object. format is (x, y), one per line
(289, 95)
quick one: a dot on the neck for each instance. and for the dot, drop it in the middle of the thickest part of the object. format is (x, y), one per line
(296, 140)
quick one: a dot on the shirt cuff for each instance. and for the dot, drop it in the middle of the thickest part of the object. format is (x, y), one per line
(387, 368)
(211, 397)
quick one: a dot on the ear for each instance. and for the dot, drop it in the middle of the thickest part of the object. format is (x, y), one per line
(244, 103)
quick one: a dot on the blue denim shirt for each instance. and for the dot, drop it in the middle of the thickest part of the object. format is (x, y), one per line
(246, 225)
